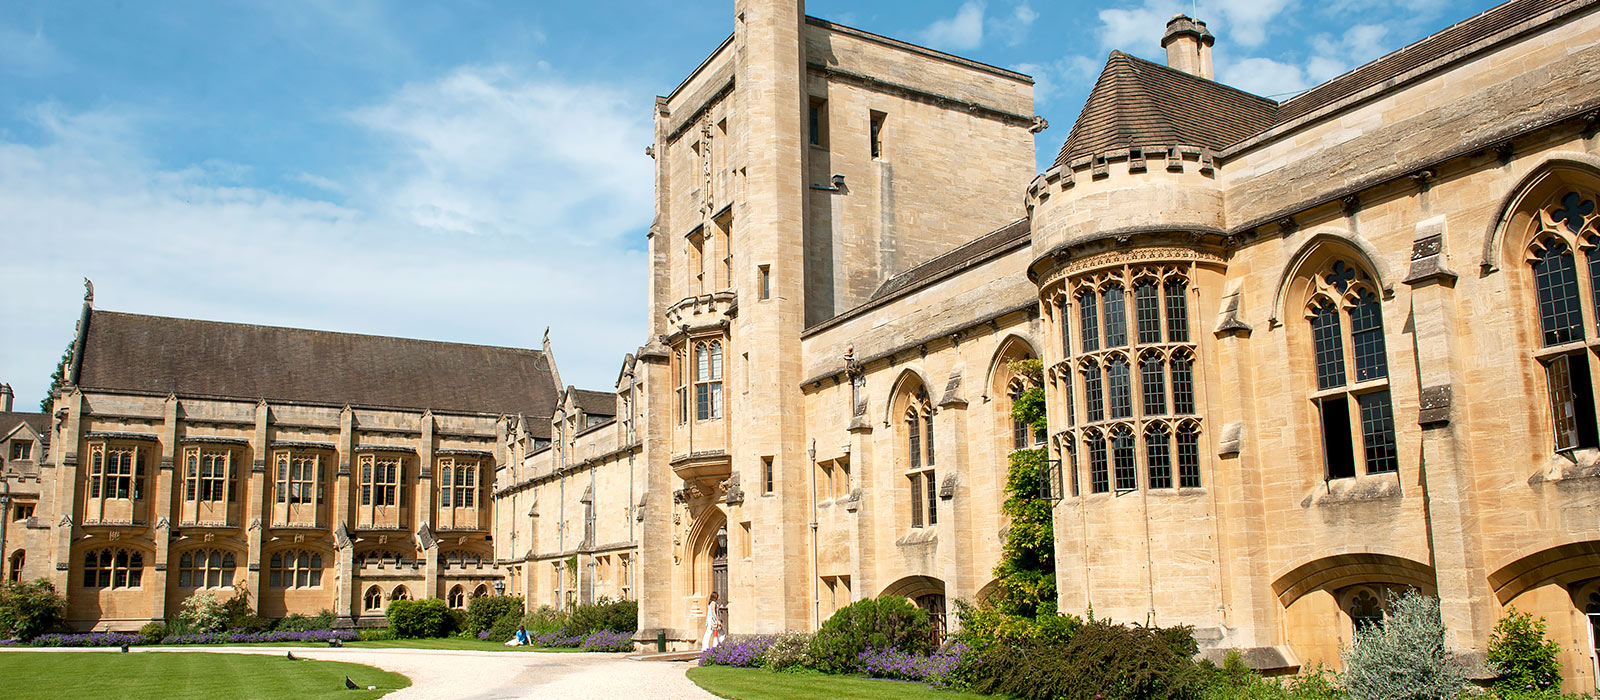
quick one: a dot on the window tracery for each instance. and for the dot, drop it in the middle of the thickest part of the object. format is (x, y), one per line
(294, 568)
(920, 459)
(1561, 229)
(1343, 292)
(1136, 369)
(206, 568)
(115, 569)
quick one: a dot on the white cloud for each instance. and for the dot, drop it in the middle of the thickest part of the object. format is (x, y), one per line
(1137, 30)
(506, 205)
(1263, 76)
(1245, 22)
(1014, 27)
(964, 31)
(1070, 73)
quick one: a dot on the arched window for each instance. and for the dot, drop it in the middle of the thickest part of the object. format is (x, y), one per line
(373, 599)
(1565, 224)
(1342, 290)
(680, 385)
(399, 593)
(18, 558)
(1158, 363)
(206, 568)
(1365, 610)
(1189, 456)
(708, 380)
(1099, 471)
(920, 472)
(457, 597)
(1063, 310)
(1093, 403)
(1158, 456)
(295, 569)
(1153, 384)
(1019, 429)
(107, 568)
(1116, 316)
(1122, 466)
(480, 591)
(1119, 387)
(1089, 319)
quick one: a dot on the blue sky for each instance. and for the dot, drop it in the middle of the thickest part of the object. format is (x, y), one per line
(466, 171)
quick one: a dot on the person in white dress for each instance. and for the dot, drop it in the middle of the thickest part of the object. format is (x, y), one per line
(714, 633)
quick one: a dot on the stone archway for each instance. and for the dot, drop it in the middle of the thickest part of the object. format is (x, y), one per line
(928, 593)
(708, 562)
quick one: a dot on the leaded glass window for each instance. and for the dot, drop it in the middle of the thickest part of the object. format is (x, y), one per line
(1158, 456)
(1118, 385)
(1366, 336)
(1116, 316)
(1122, 459)
(1189, 457)
(1099, 472)
(1377, 432)
(1329, 346)
(1556, 277)
(1094, 403)
(1088, 316)
(1153, 385)
(1177, 311)
(1182, 384)
(1147, 308)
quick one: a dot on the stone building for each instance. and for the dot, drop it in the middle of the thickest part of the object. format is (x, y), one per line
(1305, 353)
(24, 528)
(307, 470)
(1299, 355)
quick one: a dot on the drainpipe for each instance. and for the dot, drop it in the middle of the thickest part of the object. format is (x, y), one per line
(816, 586)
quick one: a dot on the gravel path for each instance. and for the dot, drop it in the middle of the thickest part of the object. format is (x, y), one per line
(488, 675)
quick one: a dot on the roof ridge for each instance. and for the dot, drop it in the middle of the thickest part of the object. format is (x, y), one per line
(953, 252)
(236, 324)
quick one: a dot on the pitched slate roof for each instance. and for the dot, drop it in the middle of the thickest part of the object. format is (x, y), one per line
(156, 354)
(973, 251)
(9, 420)
(595, 403)
(1139, 103)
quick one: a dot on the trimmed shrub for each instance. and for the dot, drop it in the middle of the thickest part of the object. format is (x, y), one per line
(302, 623)
(153, 632)
(604, 614)
(484, 611)
(411, 619)
(28, 610)
(1102, 660)
(1522, 654)
(788, 651)
(545, 620)
(202, 612)
(377, 635)
(871, 623)
(1405, 657)
(505, 627)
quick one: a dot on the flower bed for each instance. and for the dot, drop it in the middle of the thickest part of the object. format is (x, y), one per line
(741, 651)
(238, 637)
(934, 668)
(88, 639)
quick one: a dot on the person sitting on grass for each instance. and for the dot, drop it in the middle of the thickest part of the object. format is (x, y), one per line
(520, 639)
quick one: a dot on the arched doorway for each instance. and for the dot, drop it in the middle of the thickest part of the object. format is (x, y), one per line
(927, 593)
(709, 564)
(719, 573)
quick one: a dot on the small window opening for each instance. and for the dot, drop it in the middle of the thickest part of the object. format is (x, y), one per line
(877, 133)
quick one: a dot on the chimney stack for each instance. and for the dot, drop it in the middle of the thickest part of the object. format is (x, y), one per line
(5, 397)
(1188, 44)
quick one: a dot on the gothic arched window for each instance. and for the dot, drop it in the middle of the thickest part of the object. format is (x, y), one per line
(107, 568)
(920, 472)
(708, 380)
(1356, 418)
(1562, 227)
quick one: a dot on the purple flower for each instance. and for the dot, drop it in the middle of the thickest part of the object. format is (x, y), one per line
(740, 651)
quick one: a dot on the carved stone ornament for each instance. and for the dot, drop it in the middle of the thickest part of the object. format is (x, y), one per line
(947, 490)
(255, 524)
(66, 521)
(209, 537)
(1434, 406)
(299, 538)
(163, 524)
(114, 535)
(735, 494)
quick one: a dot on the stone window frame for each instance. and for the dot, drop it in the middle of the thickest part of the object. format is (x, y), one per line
(290, 484)
(372, 599)
(203, 565)
(709, 363)
(456, 599)
(21, 450)
(1344, 293)
(1564, 224)
(462, 559)
(464, 489)
(294, 566)
(201, 482)
(381, 484)
(103, 484)
(399, 592)
(113, 568)
(1163, 314)
(918, 439)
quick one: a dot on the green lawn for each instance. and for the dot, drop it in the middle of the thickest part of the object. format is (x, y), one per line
(756, 684)
(160, 676)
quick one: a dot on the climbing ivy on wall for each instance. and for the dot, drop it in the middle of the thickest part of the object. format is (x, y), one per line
(1027, 571)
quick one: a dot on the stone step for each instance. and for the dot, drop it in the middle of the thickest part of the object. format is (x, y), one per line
(689, 655)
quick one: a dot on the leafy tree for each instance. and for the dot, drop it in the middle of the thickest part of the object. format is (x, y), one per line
(28, 610)
(56, 378)
(1027, 571)
(202, 612)
(1523, 656)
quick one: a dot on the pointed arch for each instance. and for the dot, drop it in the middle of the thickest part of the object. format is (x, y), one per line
(1322, 244)
(1562, 564)
(1012, 347)
(1551, 173)
(701, 541)
(902, 387)
(1345, 569)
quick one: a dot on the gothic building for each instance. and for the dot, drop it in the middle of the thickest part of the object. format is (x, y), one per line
(1298, 355)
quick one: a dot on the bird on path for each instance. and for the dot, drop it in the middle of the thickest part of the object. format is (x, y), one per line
(351, 685)
(290, 654)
